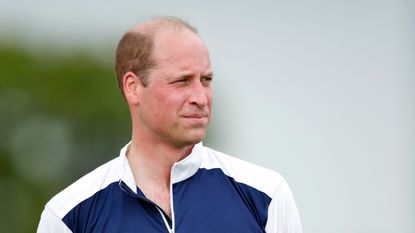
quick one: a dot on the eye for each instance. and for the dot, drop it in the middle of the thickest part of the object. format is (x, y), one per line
(206, 80)
(181, 81)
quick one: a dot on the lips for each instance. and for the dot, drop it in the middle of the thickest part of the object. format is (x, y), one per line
(196, 115)
(199, 119)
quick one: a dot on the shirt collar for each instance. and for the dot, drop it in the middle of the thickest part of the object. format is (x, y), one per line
(180, 171)
(127, 175)
(188, 166)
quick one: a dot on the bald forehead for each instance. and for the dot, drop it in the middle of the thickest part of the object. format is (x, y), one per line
(167, 34)
(161, 29)
(154, 26)
(166, 41)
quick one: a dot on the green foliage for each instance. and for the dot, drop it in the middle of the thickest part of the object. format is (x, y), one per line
(60, 117)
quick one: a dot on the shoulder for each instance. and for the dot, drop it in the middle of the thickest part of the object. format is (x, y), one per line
(85, 187)
(260, 178)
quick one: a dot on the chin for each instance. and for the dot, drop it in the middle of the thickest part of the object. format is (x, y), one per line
(195, 138)
(188, 136)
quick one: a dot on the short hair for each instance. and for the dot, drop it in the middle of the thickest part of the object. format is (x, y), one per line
(135, 49)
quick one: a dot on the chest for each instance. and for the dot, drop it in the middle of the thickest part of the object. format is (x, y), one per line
(208, 202)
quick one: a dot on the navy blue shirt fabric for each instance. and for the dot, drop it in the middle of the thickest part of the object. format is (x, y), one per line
(207, 200)
(210, 192)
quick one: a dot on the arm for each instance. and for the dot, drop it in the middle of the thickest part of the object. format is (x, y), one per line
(51, 223)
(283, 216)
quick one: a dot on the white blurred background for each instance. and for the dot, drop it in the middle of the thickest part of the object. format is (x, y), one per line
(321, 91)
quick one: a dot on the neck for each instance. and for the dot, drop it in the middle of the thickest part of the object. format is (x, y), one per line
(151, 162)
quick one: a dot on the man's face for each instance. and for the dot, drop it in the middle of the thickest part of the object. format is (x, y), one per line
(175, 106)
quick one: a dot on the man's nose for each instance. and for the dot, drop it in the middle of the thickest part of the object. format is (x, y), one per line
(199, 94)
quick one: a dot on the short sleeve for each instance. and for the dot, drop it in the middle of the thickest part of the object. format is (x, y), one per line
(51, 223)
(283, 216)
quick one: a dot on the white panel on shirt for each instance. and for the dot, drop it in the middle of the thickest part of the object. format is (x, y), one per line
(86, 187)
(283, 214)
(262, 179)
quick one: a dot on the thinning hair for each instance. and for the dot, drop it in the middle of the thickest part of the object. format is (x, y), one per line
(135, 49)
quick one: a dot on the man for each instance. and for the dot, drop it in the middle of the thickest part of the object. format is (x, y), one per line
(165, 180)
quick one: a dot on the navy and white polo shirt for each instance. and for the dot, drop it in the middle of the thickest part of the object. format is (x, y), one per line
(210, 192)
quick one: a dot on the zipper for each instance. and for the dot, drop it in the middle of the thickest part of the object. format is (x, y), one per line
(172, 228)
(171, 203)
(166, 223)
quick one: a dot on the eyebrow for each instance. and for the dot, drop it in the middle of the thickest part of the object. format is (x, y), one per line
(209, 73)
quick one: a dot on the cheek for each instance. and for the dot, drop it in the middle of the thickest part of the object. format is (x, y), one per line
(209, 97)
(168, 102)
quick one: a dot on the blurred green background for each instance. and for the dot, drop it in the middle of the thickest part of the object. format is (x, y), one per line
(60, 112)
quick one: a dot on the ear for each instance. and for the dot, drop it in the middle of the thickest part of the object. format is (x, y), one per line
(132, 87)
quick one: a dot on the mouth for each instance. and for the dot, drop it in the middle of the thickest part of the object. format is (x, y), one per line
(196, 115)
(197, 118)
